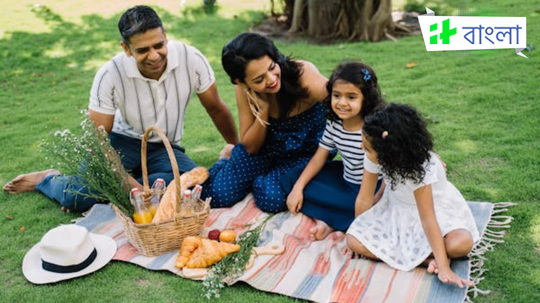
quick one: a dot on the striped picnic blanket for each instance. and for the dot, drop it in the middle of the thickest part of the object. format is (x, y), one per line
(321, 271)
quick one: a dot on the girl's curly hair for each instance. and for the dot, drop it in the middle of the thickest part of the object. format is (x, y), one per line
(363, 77)
(405, 147)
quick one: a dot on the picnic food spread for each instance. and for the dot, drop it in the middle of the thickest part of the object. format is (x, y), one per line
(198, 252)
(157, 191)
(227, 236)
(272, 249)
(167, 206)
(214, 234)
(142, 214)
(193, 177)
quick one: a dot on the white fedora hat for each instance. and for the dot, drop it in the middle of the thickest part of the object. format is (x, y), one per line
(66, 252)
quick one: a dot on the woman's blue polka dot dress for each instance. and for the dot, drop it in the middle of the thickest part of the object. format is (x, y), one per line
(290, 143)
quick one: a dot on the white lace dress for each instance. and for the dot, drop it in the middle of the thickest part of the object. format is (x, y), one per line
(392, 230)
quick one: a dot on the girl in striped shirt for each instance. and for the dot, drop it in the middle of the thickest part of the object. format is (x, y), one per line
(327, 190)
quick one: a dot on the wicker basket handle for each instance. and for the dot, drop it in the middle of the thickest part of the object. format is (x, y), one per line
(172, 158)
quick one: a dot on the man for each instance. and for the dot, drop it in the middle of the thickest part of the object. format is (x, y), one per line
(150, 83)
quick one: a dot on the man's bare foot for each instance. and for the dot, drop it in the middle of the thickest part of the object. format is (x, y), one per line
(28, 182)
(225, 153)
(65, 209)
(320, 231)
(432, 267)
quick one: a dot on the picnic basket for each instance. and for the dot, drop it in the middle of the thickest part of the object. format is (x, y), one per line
(154, 239)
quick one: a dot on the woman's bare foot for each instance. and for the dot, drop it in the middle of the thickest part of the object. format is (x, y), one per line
(28, 182)
(432, 267)
(320, 231)
(225, 153)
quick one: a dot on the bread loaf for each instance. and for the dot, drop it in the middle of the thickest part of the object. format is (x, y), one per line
(167, 206)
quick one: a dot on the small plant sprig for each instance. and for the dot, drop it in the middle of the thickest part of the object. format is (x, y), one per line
(91, 158)
(232, 265)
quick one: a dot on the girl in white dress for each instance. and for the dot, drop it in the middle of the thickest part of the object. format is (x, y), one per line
(421, 218)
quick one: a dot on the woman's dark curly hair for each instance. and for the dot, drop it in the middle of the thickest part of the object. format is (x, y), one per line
(363, 77)
(238, 52)
(403, 151)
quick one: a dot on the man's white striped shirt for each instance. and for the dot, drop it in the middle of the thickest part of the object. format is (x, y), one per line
(137, 102)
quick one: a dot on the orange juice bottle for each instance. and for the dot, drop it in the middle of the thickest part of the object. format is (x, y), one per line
(152, 208)
(141, 215)
(157, 191)
(187, 206)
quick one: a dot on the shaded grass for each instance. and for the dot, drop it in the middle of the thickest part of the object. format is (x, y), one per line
(483, 104)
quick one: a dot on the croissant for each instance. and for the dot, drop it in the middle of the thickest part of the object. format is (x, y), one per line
(210, 252)
(189, 245)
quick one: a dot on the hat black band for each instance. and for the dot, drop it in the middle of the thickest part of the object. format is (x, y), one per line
(71, 268)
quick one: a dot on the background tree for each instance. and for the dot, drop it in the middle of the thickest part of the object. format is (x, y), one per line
(358, 20)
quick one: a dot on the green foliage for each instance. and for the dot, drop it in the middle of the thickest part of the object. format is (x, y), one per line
(485, 103)
(91, 158)
(233, 265)
(440, 7)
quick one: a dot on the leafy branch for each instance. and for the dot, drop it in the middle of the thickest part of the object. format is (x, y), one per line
(233, 265)
(90, 157)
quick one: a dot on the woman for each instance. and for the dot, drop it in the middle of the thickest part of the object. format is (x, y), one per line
(281, 120)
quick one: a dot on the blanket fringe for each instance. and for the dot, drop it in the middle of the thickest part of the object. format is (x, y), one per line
(83, 215)
(493, 234)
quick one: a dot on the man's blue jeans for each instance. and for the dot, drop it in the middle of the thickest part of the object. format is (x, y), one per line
(64, 189)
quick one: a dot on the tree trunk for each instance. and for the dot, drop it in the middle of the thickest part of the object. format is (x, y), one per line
(359, 20)
(381, 21)
(314, 6)
(297, 13)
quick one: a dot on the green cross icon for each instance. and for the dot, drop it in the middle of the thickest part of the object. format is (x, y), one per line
(445, 34)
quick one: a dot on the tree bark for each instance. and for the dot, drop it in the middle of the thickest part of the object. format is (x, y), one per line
(314, 6)
(381, 21)
(358, 20)
(296, 23)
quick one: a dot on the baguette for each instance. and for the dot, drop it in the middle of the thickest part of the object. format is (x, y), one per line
(167, 206)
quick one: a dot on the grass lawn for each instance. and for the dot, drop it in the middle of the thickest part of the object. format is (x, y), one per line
(484, 108)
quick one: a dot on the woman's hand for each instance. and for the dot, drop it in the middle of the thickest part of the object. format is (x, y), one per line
(294, 201)
(253, 119)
